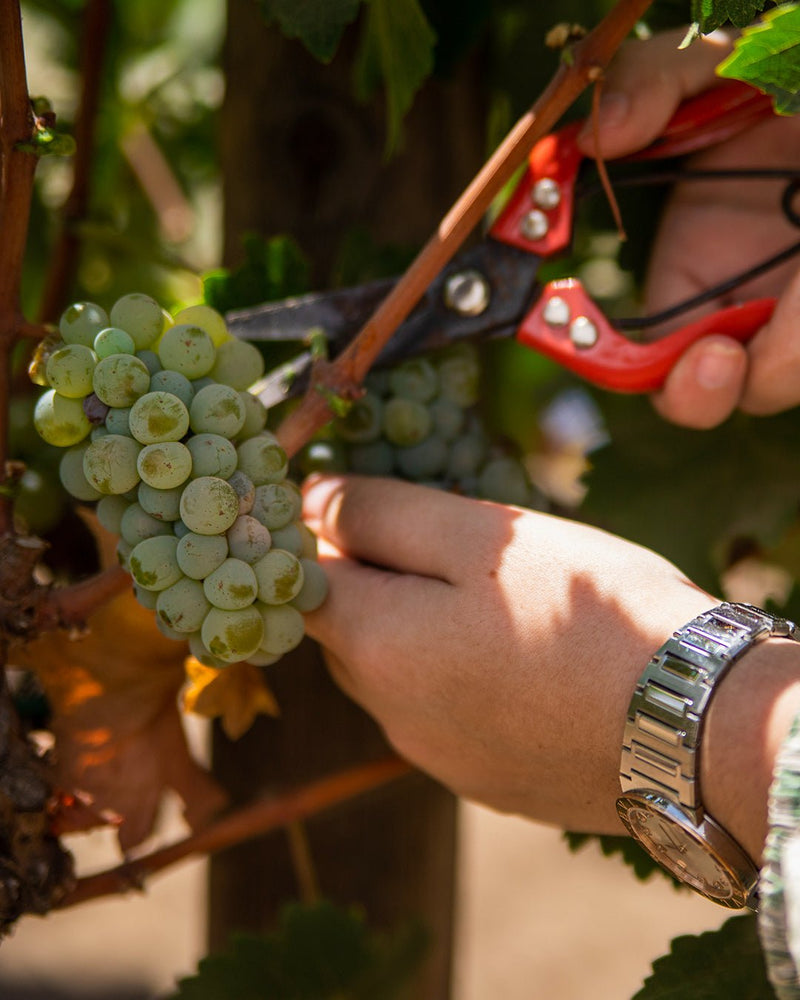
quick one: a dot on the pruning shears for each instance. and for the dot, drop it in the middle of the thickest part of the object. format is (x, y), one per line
(492, 289)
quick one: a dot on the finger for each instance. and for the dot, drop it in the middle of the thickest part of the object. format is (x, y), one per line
(705, 385)
(773, 382)
(645, 84)
(396, 525)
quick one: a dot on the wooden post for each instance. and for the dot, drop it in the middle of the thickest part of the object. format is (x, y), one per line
(301, 156)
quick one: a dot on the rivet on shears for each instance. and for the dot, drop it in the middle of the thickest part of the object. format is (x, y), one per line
(556, 312)
(534, 225)
(546, 193)
(467, 293)
(583, 332)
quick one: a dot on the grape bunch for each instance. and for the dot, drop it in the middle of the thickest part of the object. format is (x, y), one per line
(419, 421)
(161, 432)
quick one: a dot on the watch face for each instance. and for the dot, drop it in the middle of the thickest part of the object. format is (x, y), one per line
(681, 850)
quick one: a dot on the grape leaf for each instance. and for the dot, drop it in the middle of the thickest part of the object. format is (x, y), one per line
(272, 269)
(396, 52)
(768, 57)
(690, 494)
(118, 732)
(317, 952)
(726, 964)
(318, 24)
(236, 694)
(712, 14)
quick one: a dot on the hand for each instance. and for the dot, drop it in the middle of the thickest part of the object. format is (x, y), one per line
(710, 231)
(499, 648)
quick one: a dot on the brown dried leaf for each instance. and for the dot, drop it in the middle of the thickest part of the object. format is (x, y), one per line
(119, 738)
(235, 694)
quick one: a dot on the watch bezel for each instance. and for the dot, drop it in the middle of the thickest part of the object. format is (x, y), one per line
(712, 839)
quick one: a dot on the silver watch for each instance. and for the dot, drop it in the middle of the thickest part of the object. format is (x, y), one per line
(661, 804)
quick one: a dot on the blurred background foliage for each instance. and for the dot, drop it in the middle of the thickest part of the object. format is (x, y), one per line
(156, 223)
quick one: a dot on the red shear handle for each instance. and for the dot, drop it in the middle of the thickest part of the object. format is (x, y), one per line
(568, 327)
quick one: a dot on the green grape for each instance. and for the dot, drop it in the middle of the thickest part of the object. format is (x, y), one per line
(217, 409)
(373, 459)
(38, 503)
(212, 455)
(262, 459)
(414, 379)
(137, 524)
(248, 539)
(118, 421)
(207, 319)
(363, 420)
(81, 322)
(406, 422)
(279, 575)
(448, 418)
(187, 349)
(238, 364)
(120, 379)
(98, 432)
(324, 456)
(183, 606)
(110, 464)
(232, 635)
(466, 455)
(425, 460)
(308, 539)
(109, 510)
(124, 554)
(202, 383)
(179, 385)
(165, 465)
(72, 476)
(69, 370)
(158, 416)
(289, 539)
(60, 421)
(209, 505)
(315, 587)
(168, 632)
(164, 505)
(147, 598)
(459, 376)
(112, 340)
(140, 316)
(153, 563)
(179, 528)
(150, 360)
(504, 480)
(255, 415)
(199, 555)
(275, 505)
(232, 585)
(199, 652)
(245, 490)
(284, 628)
(262, 659)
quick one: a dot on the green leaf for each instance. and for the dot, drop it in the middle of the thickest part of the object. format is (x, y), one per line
(692, 495)
(319, 24)
(768, 57)
(712, 14)
(317, 952)
(396, 52)
(272, 269)
(629, 851)
(726, 964)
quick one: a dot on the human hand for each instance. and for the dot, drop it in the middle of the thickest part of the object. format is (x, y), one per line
(710, 231)
(498, 648)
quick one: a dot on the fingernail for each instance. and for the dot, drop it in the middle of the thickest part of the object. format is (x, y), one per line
(317, 492)
(718, 366)
(611, 111)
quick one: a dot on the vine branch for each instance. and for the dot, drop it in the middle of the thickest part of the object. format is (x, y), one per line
(251, 821)
(589, 57)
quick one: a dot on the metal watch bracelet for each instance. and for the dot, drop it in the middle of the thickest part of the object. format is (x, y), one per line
(664, 722)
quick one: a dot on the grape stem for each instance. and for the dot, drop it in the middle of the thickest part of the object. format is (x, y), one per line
(343, 376)
(253, 820)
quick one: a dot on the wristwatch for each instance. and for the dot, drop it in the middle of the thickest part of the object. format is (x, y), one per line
(661, 804)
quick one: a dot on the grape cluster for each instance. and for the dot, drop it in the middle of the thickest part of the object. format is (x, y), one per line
(162, 433)
(419, 421)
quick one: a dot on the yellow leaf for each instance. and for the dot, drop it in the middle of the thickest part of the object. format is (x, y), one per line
(235, 694)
